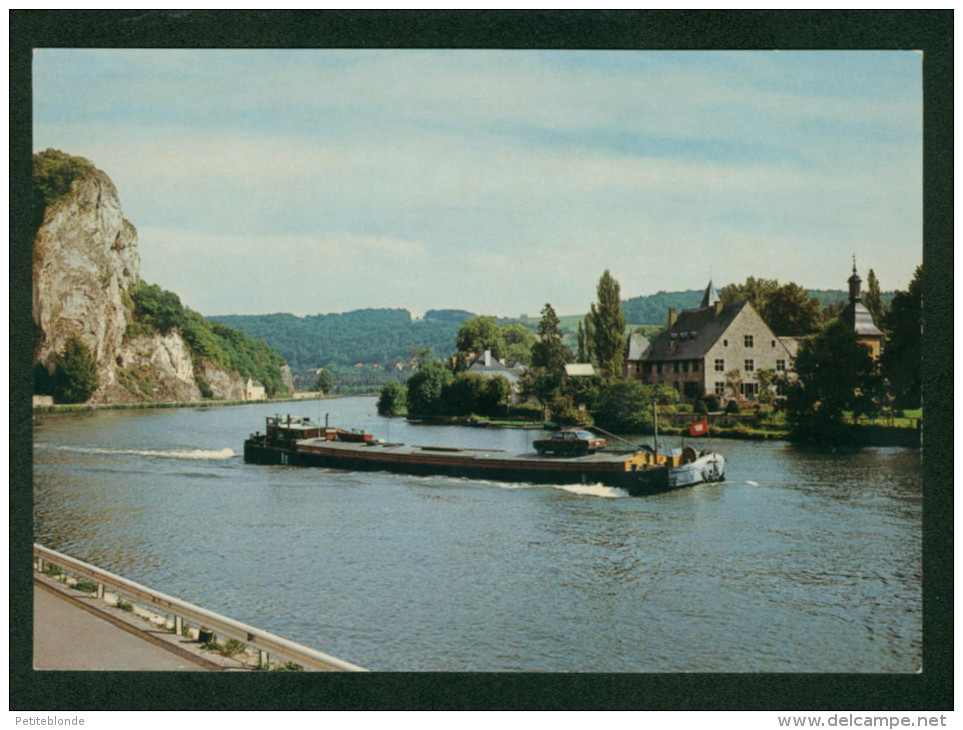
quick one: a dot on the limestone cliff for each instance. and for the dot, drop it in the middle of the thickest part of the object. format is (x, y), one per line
(85, 261)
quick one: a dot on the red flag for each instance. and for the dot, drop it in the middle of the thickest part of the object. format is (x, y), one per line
(699, 428)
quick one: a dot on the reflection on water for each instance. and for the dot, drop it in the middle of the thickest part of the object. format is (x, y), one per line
(801, 561)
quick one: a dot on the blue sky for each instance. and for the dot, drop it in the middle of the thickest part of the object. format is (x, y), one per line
(495, 181)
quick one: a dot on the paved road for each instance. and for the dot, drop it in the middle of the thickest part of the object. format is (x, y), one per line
(67, 637)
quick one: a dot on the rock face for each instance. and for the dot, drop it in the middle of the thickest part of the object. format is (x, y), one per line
(85, 255)
(85, 259)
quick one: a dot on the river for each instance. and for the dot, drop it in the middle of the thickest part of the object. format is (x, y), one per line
(802, 561)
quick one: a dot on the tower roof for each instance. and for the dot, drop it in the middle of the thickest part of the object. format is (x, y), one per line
(710, 297)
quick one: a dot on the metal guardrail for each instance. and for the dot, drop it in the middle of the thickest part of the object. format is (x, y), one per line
(265, 642)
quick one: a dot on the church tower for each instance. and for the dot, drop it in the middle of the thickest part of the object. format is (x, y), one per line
(859, 319)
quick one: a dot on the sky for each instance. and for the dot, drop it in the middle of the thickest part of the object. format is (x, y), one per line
(319, 181)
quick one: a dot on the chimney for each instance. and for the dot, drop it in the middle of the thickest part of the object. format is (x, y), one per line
(671, 316)
(718, 308)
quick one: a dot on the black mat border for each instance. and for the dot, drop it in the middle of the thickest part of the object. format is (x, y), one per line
(928, 31)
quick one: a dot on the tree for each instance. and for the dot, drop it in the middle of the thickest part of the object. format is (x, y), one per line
(790, 311)
(755, 291)
(392, 398)
(589, 340)
(768, 385)
(874, 298)
(463, 394)
(519, 341)
(478, 334)
(608, 326)
(734, 383)
(425, 389)
(834, 373)
(495, 395)
(75, 375)
(549, 357)
(901, 360)
(582, 355)
(325, 381)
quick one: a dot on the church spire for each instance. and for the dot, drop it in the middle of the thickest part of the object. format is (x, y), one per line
(710, 297)
(854, 284)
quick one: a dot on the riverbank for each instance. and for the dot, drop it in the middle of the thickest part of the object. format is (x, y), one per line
(66, 407)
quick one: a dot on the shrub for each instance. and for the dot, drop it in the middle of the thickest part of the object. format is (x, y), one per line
(710, 402)
(75, 373)
(701, 407)
(392, 398)
(86, 586)
(732, 407)
(232, 647)
(53, 173)
(527, 411)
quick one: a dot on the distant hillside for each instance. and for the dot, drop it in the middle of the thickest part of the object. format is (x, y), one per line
(654, 308)
(371, 336)
(378, 339)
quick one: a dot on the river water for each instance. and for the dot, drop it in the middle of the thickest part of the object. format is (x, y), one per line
(802, 561)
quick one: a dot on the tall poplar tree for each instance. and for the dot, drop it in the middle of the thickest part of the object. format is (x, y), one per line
(608, 325)
(874, 299)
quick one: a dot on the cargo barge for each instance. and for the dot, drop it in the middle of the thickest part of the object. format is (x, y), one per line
(299, 442)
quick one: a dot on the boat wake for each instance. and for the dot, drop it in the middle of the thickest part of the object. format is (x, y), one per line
(592, 490)
(583, 490)
(188, 454)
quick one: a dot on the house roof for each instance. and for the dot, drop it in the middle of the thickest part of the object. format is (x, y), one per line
(486, 364)
(638, 345)
(858, 318)
(791, 344)
(710, 297)
(577, 369)
(695, 331)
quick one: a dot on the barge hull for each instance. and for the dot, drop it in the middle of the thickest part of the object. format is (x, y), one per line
(457, 464)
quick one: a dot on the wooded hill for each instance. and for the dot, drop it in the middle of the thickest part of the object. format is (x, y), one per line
(381, 338)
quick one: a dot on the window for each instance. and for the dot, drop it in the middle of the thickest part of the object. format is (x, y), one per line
(749, 390)
(675, 366)
(658, 368)
(725, 343)
(773, 343)
(747, 340)
(720, 366)
(720, 388)
(691, 391)
(695, 366)
(648, 368)
(780, 366)
(676, 385)
(750, 366)
(685, 366)
(638, 368)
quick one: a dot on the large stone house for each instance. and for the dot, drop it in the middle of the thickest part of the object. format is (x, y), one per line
(714, 349)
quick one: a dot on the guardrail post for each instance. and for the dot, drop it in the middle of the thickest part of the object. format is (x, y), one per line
(100, 591)
(263, 659)
(40, 564)
(178, 625)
